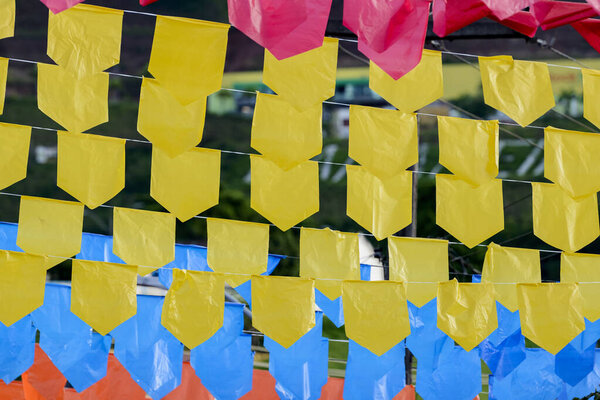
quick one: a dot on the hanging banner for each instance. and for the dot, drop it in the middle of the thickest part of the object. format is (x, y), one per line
(469, 148)
(3, 78)
(561, 221)
(381, 206)
(520, 89)
(236, 247)
(144, 238)
(91, 168)
(283, 308)
(306, 79)
(329, 257)
(7, 18)
(466, 312)
(383, 141)
(284, 197)
(14, 152)
(376, 314)
(285, 135)
(583, 269)
(591, 87)
(188, 184)
(417, 262)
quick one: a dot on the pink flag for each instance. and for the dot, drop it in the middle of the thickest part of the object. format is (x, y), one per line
(146, 2)
(57, 6)
(503, 9)
(595, 4)
(552, 14)
(452, 15)
(523, 22)
(590, 30)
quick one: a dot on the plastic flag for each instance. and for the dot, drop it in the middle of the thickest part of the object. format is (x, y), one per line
(520, 89)
(572, 365)
(383, 141)
(469, 148)
(194, 293)
(285, 135)
(3, 78)
(91, 168)
(57, 6)
(375, 313)
(591, 86)
(103, 294)
(43, 379)
(562, 221)
(144, 238)
(17, 343)
(508, 265)
(226, 335)
(416, 262)
(506, 8)
(284, 197)
(188, 184)
(7, 18)
(236, 247)
(14, 153)
(424, 83)
(306, 79)
(583, 269)
(329, 257)
(381, 206)
(551, 313)
(588, 29)
(470, 214)
(452, 15)
(552, 14)
(504, 357)
(283, 308)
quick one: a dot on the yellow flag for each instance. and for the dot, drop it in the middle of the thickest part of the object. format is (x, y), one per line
(187, 184)
(551, 313)
(507, 265)
(50, 227)
(381, 206)
(194, 306)
(14, 153)
(103, 294)
(283, 308)
(520, 89)
(470, 214)
(591, 88)
(376, 314)
(423, 85)
(85, 39)
(144, 238)
(570, 160)
(22, 285)
(469, 148)
(329, 257)
(192, 69)
(416, 262)
(582, 269)
(171, 126)
(466, 312)
(383, 141)
(284, 197)
(236, 247)
(91, 168)
(77, 104)
(561, 221)
(304, 79)
(285, 135)
(7, 18)
(3, 77)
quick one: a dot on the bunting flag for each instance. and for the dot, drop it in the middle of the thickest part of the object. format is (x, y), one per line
(14, 152)
(91, 168)
(188, 184)
(569, 161)
(191, 294)
(562, 221)
(503, 9)
(376, 314)
(424, 82)
(144, 238)
(7, 18)
(470, 214)
(588, 29)
(381, 206)
(452, 15)
(552, 14)
(283, 308)
(237, 249)
(376, 136)
(469, 148)
(103, 294)
(591, 86)
(329, 257)
(520, 89)
(523, 22)
(57, 6)
(306, 79)
(507, 266)
(3, 79)
(583, 269)
(283, 134)
(18, 353)
(551, 313)
(420, 264)
(466, 312)
(284, 197)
